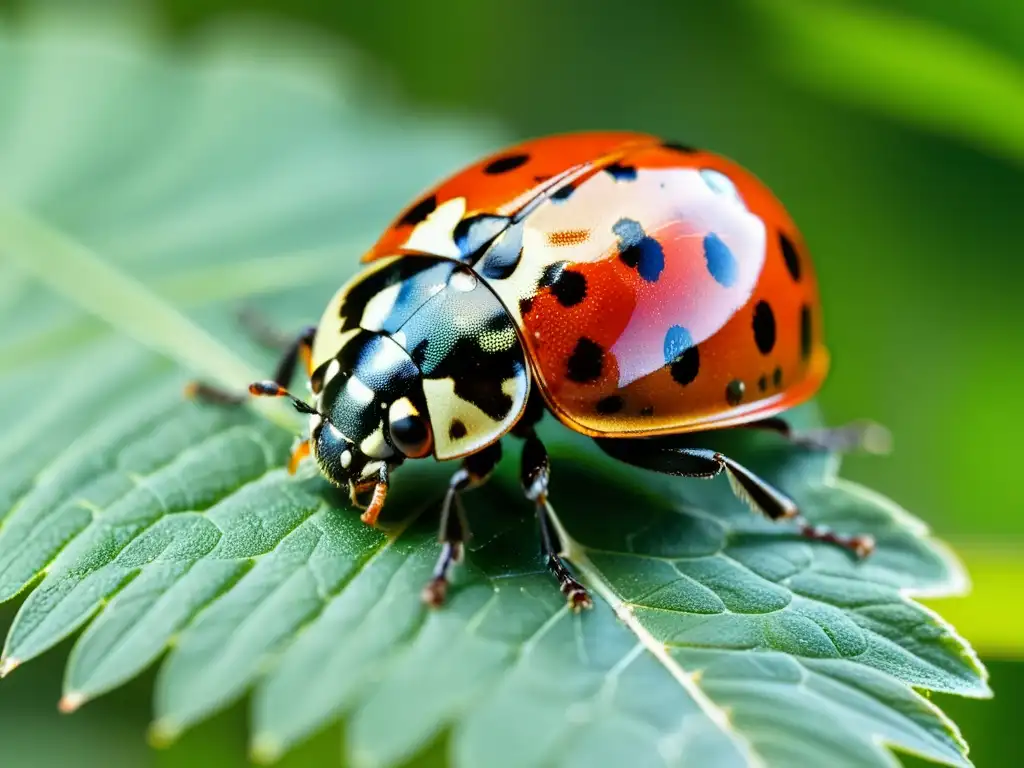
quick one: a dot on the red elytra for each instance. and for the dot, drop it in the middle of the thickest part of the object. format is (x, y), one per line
(658, 289)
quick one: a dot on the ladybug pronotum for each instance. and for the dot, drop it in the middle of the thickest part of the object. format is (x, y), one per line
(635, 288)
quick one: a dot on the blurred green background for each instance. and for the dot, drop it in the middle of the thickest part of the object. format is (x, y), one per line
(894, 132)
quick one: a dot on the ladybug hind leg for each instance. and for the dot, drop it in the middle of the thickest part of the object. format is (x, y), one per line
(663, 455)
(866, 436)
(452, 533)
(300, 347)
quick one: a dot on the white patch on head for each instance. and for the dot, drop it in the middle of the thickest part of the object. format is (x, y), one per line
(336, 433)
(375, 446)
(402, 408)
(346, 458)
(379, 307)
(371, 469)
(462, 281)
(358, 391)
(388, 356)
(315, 420)
(435, 233)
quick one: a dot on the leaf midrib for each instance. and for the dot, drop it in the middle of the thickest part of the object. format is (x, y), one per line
(623, 610)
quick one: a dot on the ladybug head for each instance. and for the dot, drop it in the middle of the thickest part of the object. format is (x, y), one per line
(370, 413)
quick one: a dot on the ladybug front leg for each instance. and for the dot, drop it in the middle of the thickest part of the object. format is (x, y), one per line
(535, 472)
(301, 346)
(665, 456)
(475, 471)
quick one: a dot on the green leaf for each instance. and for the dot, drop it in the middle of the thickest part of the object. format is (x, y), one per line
(908, 68)
(154, 526)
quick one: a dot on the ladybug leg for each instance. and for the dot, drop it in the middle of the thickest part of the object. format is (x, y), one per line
(534, 473)
(668, 458)
(262, 332)
(301, 346)
(300, 451)
(475, 471)
(864, 436)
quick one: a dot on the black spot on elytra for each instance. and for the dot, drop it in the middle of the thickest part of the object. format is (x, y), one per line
(678, 147)
(503, 254)
(456, 430)
(720, 260)
(806, 332)
(567, 285)
(639, 251)
(621, 172)
(525, 305)
(734, 392)
(777, 377)
(790, 255)
(474, 233)
(609, 405)
(562, 193)
(762, 383)
(418, 212)
(586, 361)
(647, 410)
(505, 164)
(685, 365)
(764, 327)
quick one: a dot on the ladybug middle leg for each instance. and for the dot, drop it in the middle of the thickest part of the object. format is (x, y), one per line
(535, 472)
(300, 347)
(475, 471)
(667, 456)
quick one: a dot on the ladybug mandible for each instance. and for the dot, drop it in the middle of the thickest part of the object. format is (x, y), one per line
(636, 288)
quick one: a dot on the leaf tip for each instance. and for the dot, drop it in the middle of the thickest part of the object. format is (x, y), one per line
(8, 665)
(266, 749)
(70, 702)
(163, 733)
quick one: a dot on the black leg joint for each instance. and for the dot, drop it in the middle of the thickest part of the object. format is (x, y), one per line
(535, 469)
(286, 368)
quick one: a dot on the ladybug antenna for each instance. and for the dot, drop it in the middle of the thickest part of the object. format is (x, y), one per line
(273, 389)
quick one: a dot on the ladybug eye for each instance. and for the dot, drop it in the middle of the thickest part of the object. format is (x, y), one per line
(410, 432)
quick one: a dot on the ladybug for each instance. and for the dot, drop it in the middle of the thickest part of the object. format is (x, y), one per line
(637, 289)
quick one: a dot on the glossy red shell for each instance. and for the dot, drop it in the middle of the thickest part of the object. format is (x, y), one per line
(656, 288)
